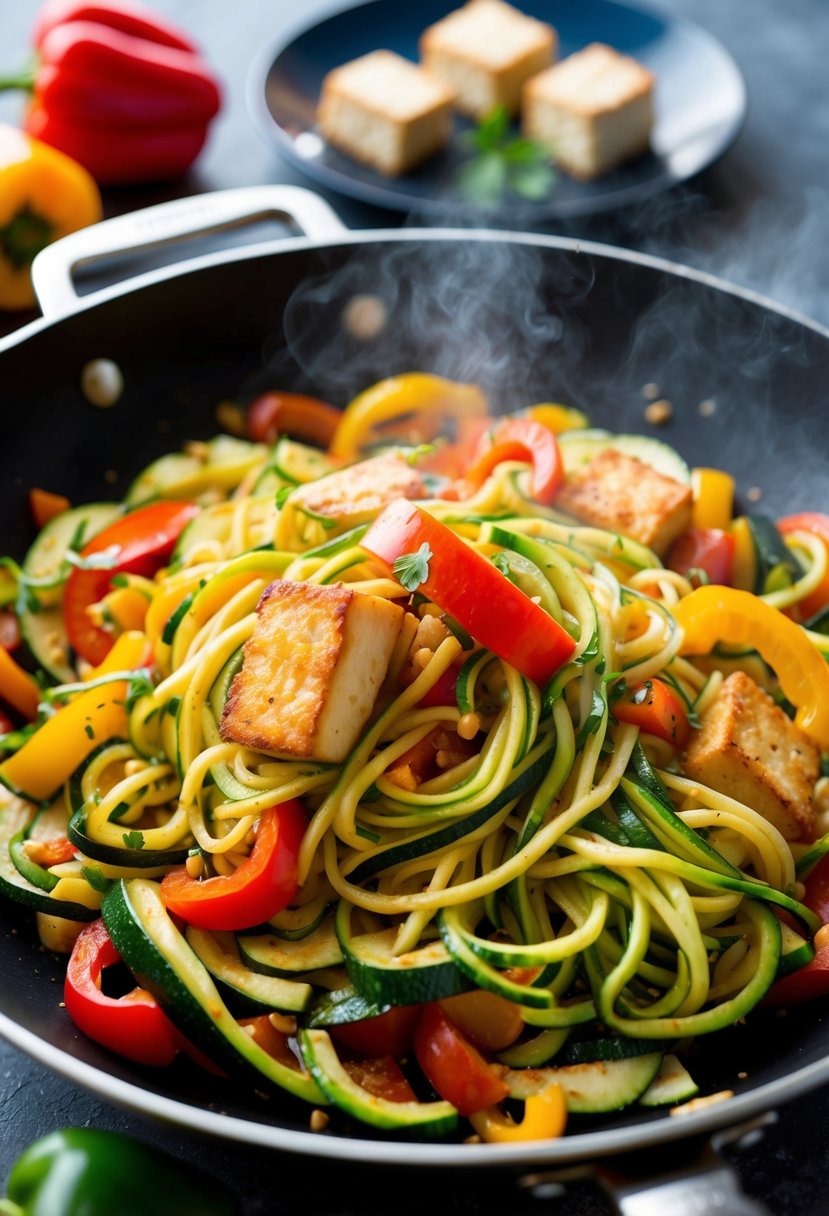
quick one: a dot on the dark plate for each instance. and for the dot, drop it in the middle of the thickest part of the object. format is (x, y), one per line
(700, 102)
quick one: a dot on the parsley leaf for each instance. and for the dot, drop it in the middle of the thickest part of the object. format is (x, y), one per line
(140, 685)
(95, 878)
(412, 569)
(133, 840)
(502, 162)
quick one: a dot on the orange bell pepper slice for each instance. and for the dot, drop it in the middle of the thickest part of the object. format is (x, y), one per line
(545, 1117)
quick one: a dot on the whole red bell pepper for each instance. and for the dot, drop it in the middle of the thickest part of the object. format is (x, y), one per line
(118, 89)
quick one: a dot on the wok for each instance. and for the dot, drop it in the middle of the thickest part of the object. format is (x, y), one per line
(529, 317)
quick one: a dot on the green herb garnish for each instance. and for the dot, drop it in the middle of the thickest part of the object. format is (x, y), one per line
(501, 162)
(412, 569)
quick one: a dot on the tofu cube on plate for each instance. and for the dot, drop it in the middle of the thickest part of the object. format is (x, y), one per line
(485, 51)
(592, 111)
(311, 670)
(386, 112)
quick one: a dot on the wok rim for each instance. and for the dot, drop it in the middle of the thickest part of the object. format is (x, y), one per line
(569, 1149)
(370, 236)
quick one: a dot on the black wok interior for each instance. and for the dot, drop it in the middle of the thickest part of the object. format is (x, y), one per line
(533, 323)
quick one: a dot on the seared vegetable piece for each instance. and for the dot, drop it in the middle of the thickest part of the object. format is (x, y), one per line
(354, 495)
(86, 1172)
(311, 670)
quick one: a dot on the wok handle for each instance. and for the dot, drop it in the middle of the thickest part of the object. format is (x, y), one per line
(707, 1192)
(167, 224)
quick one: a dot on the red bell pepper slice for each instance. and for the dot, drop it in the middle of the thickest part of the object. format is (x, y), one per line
(134, 1026)
(456, 1069)
(805, 984)
(817, 890)
(261, 886)
(122, 15)
(382, 1078)
(467, 586)
(707, 549)
(306, 418)
(388, 1034)
(656, 709)
(521, 439)
(10, 635)
(141, 543)
(818, 524)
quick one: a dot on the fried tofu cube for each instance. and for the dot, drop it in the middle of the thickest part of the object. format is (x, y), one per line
(750, 750)
(593, 110)
(622, 494)
(311, 670)
(485, 51)
(385, 111)
(356, 494)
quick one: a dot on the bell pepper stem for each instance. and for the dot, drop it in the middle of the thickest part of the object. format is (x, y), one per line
(23, 79)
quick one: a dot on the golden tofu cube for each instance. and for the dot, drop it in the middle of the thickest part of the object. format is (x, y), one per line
(622, 494)
(356, 494)
(485, 51)
(311, 670)
(592, 111)
(750, 750)
(385, 111)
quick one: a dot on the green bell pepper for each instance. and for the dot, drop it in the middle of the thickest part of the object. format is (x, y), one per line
(85, 1172)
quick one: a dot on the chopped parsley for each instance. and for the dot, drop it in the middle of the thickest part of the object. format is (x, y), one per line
(133, 840)
(412, 569)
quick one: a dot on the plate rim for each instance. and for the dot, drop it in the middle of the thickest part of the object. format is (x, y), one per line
(387, 198)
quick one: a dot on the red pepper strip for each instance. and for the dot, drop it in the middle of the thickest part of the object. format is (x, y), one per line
(456, 1069)
(442, 691)
(141, 543)
(817, 890)
(134, 1025)
(388, 1034)
(306, 418)
(382, 1078)
(261, 886)
(656, 709)
(804, 985)
(707, 549)
(467, 586)
(6, 724)
(121, 15)
(521, 439)
(10, 635)
(48, 853)
(817, 524)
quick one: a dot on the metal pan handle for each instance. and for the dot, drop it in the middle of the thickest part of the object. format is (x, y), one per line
(168, 223)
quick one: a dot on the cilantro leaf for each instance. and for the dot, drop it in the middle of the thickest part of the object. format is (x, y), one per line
(501, 162)
(412, 569)
(133, 840)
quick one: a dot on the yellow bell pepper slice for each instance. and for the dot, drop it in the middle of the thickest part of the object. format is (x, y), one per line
(165, 602)
(713, 492)
(415, 392)
(127, 607)
(714, 614)
(17, 687)
(557, 418)
(44, 762)
(545, 1117)
(44, 195)
(744, 569)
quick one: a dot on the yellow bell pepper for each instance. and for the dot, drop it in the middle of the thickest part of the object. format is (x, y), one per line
(126, 607)
(557, 418)
(17, 687)
(44, 195)
(545, 1117)
(44, 762)
(415, 392)
(714, 614)
(164, 603)
(744, 569)
(713, 492)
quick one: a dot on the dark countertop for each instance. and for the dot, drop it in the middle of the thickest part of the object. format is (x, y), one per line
(757, 218)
